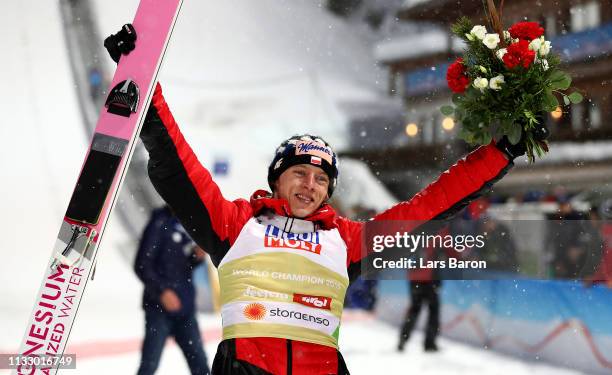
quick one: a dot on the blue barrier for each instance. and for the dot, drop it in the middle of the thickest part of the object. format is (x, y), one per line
(561, 322)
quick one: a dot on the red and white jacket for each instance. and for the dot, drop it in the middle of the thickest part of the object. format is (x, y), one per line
(215, 223)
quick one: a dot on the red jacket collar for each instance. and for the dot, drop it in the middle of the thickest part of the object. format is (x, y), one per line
(261, 199)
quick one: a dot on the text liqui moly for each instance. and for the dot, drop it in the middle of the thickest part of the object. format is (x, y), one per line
(276, 238)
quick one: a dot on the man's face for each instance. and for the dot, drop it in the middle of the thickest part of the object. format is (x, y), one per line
(304, 186)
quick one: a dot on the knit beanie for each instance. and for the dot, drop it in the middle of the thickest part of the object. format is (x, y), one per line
(304, 149)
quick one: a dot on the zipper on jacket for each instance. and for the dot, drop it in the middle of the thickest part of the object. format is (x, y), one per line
(289, 357)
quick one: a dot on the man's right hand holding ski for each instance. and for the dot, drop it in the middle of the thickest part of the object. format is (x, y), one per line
(121, 43)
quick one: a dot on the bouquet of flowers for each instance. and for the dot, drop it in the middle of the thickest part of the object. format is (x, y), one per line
(504, 82)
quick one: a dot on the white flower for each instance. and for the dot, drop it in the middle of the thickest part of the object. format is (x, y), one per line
(470, 37)
(491, 40)
(481, 83)
(545, 64)
(535, 44)
(482, 69)
(479, 31)
(500, 53)
(507, 35)
(496, 82)
(545, 48)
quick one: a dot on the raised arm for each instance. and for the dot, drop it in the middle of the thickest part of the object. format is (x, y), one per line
(212, 221)
(452, 191)
(455, 188)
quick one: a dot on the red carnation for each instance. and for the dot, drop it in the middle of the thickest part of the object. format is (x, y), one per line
(526, 31)
(519, 54)
(457, 80)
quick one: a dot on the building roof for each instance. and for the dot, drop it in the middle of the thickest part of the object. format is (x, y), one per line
(416, 45)
(572, 48)
(440, 11)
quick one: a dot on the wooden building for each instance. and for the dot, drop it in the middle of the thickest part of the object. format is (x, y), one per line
(580, 32)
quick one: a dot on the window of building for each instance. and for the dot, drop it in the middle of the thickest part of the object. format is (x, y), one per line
(585, 16)
(398, 84)
(577, 117)
(437, 125)
(428, 128)
(550, 25)
(594, 115)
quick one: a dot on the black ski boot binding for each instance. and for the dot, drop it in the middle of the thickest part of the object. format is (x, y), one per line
(121, 43)
(123, 99)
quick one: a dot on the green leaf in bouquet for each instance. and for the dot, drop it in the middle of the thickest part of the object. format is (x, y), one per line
(553, 62)
(566, 100)
(496, 129)
(485, 138)
(532, 120)
(457, 99)
(467, 125)
(560, 80)
(447, 110)
(514, 133)
(550, 102)
(461, 27)
(471, 135)
(505, 127)
(575, 97)
(459, 114)
(465, 134)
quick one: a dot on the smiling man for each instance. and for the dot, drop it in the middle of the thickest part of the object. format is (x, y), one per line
(285, 258)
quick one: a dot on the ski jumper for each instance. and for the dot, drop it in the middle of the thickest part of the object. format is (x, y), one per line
(283, 279)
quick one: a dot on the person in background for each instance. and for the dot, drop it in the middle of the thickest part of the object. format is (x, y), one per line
(425, 285)
(603, 274)
(597, 265)
(362, 293)
(563, 239)
(164, 263)
(499, 250)
(422, 291)
(95, 83)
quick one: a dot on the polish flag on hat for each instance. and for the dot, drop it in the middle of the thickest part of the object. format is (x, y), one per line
(315, 160)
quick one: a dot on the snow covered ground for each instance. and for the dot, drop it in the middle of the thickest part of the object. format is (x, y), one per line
(368, 347)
